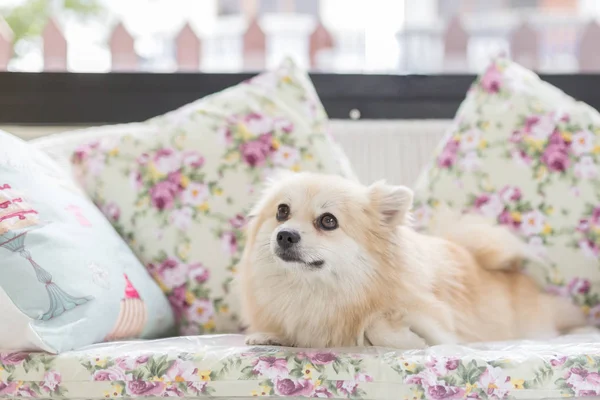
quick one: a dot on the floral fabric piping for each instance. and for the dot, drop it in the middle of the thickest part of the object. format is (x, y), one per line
(222, 368)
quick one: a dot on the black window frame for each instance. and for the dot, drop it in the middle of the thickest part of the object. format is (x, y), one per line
(50, 98)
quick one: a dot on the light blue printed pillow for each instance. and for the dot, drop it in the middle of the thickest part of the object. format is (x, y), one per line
(66, 277)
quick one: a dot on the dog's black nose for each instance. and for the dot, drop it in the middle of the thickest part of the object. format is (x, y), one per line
(287, 238)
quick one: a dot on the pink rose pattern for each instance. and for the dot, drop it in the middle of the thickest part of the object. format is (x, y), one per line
(547, 139)
(149, 376)
(588, 237)
(177, 184)
(444, 378)
(13, 365)
(295, 373)
(289, 374)
(282, 374)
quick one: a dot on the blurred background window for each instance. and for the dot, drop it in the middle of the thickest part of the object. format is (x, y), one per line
(311, 7)
(345, 36)
(229, 7)
(270, 6)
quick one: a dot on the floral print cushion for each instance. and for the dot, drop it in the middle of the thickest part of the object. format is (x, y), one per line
(221, 367)
(526, 155)
(178, 192)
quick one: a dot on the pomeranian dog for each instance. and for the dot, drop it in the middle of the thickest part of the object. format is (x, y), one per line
(331, 263)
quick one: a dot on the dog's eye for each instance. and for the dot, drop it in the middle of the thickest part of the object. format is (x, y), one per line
(283, 212)
(328, 222)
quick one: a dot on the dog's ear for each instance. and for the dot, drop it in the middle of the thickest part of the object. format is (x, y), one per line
(392, 202)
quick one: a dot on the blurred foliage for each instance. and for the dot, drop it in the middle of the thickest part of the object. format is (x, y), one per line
(28, 18)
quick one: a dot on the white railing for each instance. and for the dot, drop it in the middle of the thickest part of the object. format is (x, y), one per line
(235, 45)
(549, 43)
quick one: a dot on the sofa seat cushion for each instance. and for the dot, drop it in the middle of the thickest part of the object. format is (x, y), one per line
(222, 367)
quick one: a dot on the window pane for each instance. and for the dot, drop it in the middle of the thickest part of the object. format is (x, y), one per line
(311, 7)
(462, 35)
(229, 7)
(524, 3)
(269, 6)
(368, 36)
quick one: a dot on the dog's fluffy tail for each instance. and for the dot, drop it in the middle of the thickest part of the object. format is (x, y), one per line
(494, 247)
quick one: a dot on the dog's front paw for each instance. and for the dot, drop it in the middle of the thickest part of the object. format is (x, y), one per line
(416, 343)
(408, 342)
(265, 339)
(383, 335)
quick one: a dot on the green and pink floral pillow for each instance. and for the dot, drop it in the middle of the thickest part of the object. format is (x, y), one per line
(524, 154)
(178, 192)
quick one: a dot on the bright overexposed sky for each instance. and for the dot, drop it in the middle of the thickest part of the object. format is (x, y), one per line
(152, 22)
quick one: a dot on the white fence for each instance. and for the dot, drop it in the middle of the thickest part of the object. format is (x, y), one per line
(246, 46)
(549, 43)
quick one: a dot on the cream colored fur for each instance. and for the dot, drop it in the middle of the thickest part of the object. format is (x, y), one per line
(382, 283)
